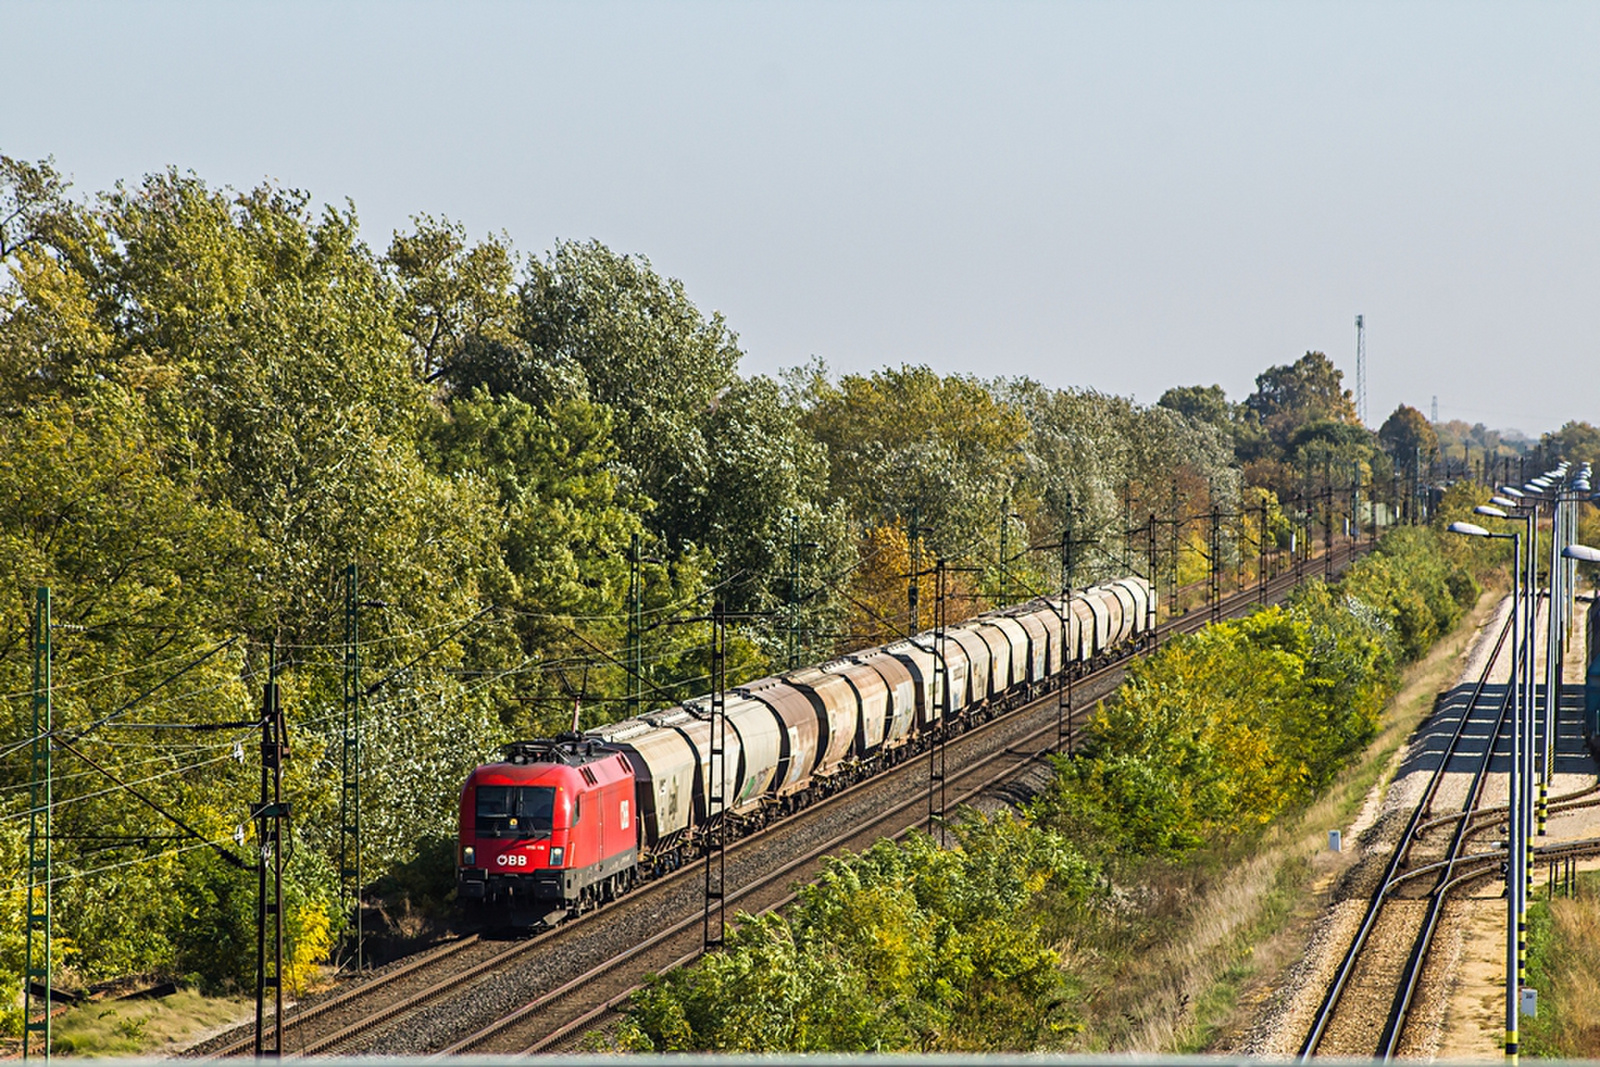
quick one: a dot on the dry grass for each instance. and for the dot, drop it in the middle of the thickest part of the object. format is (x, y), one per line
(1183, 963)
(1564, 966)
(152, 1026)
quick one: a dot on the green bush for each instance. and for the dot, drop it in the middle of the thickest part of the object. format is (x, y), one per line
(426, 880)
(1415, 586)
(213, 935)
(1223, 730)
(906, 947)
(212, 930)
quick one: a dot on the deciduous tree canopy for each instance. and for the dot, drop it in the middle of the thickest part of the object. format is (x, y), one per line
(213, 403)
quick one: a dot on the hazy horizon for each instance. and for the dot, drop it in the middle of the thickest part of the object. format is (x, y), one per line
(1119, 197)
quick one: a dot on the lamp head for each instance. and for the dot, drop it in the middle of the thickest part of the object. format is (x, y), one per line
(1582, 552)
(1470, 529)
(1485, 509)
(1502, 502)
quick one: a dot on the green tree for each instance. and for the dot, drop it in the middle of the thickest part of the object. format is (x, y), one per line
(1575, 442)
(639, 345)
(908, 440)
(211, 411)
(1287, 397)
(1102, 464)
(1203, 403)
(1408, 438)
(764, 511)
(452, 294)
(36, 212)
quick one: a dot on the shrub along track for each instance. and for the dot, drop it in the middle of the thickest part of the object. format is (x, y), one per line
(482, 994)
(1368, 1003)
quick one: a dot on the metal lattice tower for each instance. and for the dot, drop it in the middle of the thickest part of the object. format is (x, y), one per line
(350, 866)
(38, 965)
(271, 815)
(635, 627)
(1064, 685)
(1434, 412)
(913, 589)
(1361, 371)
(714, 928)
(940, 733)
(792, 641)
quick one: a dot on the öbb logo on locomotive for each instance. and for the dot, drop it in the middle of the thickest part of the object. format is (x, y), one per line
(552, 826)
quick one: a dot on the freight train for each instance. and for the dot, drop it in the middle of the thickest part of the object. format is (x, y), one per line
(568, 823)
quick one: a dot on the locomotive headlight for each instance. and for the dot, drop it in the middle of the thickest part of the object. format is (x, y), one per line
(468, 854)
(555, 856)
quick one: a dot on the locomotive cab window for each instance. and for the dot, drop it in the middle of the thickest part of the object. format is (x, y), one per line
(515, 811)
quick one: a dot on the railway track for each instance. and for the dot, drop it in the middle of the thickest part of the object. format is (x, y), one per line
(1367, 968)
(1369, 1002)
(332, 1024)
(557, 1019)
(661, 921)
(529, 1030)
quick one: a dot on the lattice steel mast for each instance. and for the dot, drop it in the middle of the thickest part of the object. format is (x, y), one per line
(1361, 371)
(37, 967)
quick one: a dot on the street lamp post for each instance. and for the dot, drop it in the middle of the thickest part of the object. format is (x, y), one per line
(1562, 492)
(1527, 503)
(1516, 856)
(1525, 703)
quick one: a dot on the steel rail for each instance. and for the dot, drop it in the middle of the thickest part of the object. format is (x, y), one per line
(1483, 818)
(760, 882)
(1400, 1011)
(1193, 620)
(1330, 1002)
(1467, 826)
(303, 1015)
(1578, 848)
(1488, 863)
(1563, 802)
(1189, 622)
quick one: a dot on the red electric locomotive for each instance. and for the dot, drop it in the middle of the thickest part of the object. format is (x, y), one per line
(551, 827)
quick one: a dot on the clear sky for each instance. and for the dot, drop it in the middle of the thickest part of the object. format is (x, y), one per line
(1126, 196)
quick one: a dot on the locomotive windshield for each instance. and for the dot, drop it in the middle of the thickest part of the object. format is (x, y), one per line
(516, 811)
